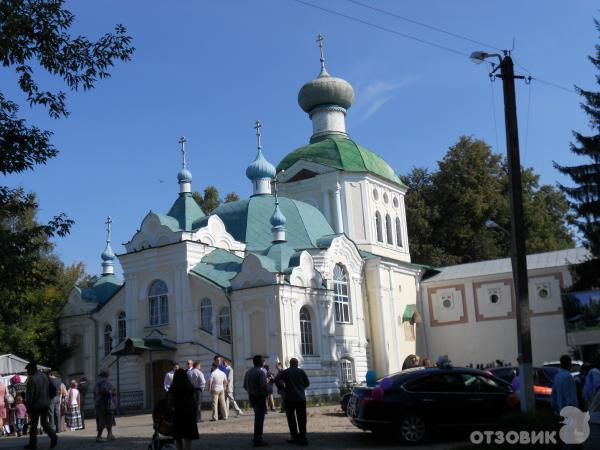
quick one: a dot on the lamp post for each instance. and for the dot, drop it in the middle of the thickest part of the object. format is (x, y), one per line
(518, 250)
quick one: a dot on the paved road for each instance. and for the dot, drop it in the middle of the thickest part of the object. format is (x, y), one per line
(328, 429)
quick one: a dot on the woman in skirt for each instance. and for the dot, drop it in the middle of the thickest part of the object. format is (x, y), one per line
(74, 407)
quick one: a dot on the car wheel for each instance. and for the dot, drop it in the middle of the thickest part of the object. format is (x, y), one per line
(412, 430)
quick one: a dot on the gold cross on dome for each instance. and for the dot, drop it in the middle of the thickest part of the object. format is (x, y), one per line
(257, 127)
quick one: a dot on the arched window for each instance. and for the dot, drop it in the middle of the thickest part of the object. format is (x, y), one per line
(107, 340)
(378, 227)
(306, 338)
(347, 371)
(206, 315)
(389, 229)
(341, 298)
(122, 326)
(158, 300)
(225, 324)
(398, 232)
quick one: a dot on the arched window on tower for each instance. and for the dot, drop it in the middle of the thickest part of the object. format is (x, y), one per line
(225, 324)
(122, 326)
(206, 323)
(158, 301)
(378, 227)
(389, 229)
(398, 232)
(107, 340)
(341, 297)
(306, 338)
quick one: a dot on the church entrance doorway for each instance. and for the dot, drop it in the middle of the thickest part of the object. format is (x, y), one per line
(155, 375)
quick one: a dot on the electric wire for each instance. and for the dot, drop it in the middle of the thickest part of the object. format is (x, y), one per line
(424, 41)
(416, 22)
(382, 28)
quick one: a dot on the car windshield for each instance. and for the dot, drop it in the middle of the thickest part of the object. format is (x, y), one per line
(398, 375)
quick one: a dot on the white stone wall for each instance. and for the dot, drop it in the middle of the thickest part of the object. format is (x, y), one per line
(473, 320)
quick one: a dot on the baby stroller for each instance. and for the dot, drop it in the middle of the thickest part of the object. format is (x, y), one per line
(162, 422)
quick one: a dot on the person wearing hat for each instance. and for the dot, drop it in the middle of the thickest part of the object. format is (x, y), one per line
(37, 400)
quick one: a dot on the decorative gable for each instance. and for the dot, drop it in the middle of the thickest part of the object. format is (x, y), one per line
(215, 235)
(253, 274)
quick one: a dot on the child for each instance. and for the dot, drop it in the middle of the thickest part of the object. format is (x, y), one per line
(20, 412)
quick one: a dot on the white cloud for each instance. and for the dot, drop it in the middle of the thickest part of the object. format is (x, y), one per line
(372, 97)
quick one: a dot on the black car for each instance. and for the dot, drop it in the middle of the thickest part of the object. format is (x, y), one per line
(542, 381)
(418, 400)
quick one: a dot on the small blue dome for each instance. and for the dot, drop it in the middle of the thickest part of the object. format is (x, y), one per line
(260, 168)
(184, 176)
(278, 220)
(108, 254)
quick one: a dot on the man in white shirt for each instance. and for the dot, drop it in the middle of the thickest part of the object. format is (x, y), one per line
(217, 384)
(229, 391)
(169, 377)
(197, 379)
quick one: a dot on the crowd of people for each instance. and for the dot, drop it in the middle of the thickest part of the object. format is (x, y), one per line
(45, 404)
(185, 387)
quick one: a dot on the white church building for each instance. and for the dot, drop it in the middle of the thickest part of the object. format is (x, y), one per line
(319, 270)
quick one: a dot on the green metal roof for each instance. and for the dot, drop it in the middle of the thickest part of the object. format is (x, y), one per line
(219, 267)
(102, 290)
(248, 221)
(409, 312)
(280, 253)
(341, 153)
(185, 211)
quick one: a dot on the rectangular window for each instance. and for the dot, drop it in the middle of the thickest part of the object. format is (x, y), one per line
(159, 310)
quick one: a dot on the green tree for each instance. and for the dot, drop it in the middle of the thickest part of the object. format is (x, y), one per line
(30, 315)
(231, 197)
(584, 196)
(447, 210)
(211, 199)
(34, 36)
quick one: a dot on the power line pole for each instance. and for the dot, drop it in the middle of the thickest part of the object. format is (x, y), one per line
(518, 248)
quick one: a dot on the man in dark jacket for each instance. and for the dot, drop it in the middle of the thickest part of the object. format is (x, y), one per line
(255, 383)
(295, 381)
(37, 402)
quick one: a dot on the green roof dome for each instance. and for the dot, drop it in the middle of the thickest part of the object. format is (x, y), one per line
(341, 153)
(325, 90)
(248, 221)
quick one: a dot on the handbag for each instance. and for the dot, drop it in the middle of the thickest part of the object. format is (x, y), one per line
(63, 406)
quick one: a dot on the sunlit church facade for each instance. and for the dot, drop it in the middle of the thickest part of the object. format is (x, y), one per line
(315, 266)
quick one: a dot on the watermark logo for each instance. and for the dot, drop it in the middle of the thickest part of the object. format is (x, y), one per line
(575, 430)
(576, 427)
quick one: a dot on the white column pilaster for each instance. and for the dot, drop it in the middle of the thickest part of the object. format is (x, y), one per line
(339, 222)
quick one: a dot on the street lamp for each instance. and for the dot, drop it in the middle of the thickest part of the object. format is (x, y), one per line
(518, 250)
(491, 224)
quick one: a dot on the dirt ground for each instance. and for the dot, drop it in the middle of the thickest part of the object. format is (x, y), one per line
(328, 428)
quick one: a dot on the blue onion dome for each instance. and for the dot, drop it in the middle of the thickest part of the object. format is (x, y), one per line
(325, 90)
(184, 176)
(278, 220)
(260, 168)
(108, 254)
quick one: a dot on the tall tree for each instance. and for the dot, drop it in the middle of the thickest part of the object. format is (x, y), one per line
(447, 210)
(34, 35)
(30, 313)
(585, 195)
(211, 199)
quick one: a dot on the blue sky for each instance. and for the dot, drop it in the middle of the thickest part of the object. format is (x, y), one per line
(208, 70)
